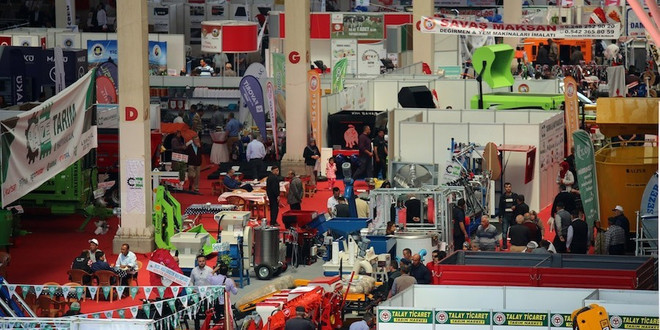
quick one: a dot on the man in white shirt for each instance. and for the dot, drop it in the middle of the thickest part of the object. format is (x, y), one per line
(333, 200)
(200, 275)
(205, 69)
(127, 261)
(255, 154)
(101, 18)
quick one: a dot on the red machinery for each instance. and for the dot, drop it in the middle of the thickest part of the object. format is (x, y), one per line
(321, 298)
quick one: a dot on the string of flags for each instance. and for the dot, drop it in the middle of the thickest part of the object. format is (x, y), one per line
(191, 302)
(80, 291)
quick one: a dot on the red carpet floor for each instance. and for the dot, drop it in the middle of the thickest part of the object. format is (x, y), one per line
(46, 253)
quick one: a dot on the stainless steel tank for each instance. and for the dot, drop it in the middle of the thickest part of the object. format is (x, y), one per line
(266, 246)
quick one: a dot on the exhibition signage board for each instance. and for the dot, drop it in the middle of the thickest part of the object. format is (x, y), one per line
(634, 26)
(405, 318)
(44, 141)
(314, 88)
(168, 273)
(344, 49)
(357, 26)
(99, 51)
(270, 94)
(157, 57)
(561, 321)
(649, 203)
(585, 165)
(514, 320)
(462, 319)
(463, 27)
(571, 108)
(633, 322)
(369, 56)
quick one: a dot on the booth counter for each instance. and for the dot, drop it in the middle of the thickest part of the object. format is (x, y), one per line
(485, 307)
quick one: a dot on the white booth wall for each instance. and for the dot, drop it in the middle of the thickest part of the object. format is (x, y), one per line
(638, 303)
(426, 138)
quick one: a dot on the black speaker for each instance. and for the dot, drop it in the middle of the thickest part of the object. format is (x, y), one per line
(416, 97)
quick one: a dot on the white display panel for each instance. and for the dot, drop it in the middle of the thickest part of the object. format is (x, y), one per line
(512, 117)
(451, 92)
(481, 134)
(443, 135)
(442, 115)
(417, 152)
(385, 95)
(485, 117)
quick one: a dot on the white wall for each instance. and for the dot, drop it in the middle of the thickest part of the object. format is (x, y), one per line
(429, 141)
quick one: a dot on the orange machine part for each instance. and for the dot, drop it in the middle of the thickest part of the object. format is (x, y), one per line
(532, 46)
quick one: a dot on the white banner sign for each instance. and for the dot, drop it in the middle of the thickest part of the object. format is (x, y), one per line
(369, 56)
(634, 26)
(134, 186)
(38, 144)
(344, 48)
(168, 273)
(177, 157)
(461, 27)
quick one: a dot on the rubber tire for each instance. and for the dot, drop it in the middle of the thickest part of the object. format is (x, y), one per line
(263, 272)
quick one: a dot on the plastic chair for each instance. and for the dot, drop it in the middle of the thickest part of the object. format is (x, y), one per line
(104, 278)
(78, 276)
(240, 203)
(48, 307)
(135, 276)
(258, 207)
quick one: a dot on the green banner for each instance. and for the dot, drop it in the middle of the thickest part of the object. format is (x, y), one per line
(633, 322)
(462, 318)
(585, 165)
(405, 316)
(339, 75)
(279, 71)
(357, 26)
(521, 319)
(561, 321)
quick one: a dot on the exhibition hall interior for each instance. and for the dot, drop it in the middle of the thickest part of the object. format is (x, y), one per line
(329, 164)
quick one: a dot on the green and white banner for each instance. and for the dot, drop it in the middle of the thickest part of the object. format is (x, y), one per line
(38, 144)
(339, 75)
(585, 165)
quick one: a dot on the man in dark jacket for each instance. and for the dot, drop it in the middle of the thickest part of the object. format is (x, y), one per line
(564, 197)
(311, 154)
(419, 271)
(365, 155)
(505, 211)
(300, 322)
(622, 221)
(273, 193)
(295, 195)
(194, 152)
(520, 208)
(577, 241)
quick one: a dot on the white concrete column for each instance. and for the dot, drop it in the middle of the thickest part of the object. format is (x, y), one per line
(512, 14)
(296, 52)
(62, 19)
(423, 45)
(134, 129)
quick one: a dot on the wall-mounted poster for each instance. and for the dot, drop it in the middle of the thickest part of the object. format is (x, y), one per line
(99, 51)
(344, 48)
(369, 56)
(357, 26)
(160, 18)
(157, 57)
(196, 16)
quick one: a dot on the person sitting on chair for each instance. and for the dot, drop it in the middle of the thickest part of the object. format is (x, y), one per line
(231, 183)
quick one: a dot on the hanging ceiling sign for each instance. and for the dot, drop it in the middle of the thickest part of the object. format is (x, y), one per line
(461, 27)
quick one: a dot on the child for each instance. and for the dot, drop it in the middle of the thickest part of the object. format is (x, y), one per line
(331, 172)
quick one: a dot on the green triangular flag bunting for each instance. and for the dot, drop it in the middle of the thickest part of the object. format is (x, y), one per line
(121, 313)
(189, 290)
(161, 291)
(202, 291)
(106, 291)
(175, 290)
(184, 300)
(134, 311)
(172, 305)
(79, 292)
(51, 290)
(134, 291)
(147, 310)
(25, 289)
(96, 315)
(108, 314)
(195, 298)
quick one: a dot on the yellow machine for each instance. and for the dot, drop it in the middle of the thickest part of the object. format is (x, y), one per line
(592, 317)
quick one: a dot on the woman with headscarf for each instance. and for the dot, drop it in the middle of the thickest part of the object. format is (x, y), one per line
(565, 176)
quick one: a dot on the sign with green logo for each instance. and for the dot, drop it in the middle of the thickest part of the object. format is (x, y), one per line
(405, 316)
(585, 165)
(504, 320)
(561, 321)
(462, 318)
(633, 322)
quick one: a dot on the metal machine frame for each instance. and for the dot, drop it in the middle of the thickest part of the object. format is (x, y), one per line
(444, 196)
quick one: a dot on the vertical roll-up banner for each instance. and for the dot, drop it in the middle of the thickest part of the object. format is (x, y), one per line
(339, 75)
(270, 94)
(570, 109)
(585, 166)
(253, 96)
(314, 87)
